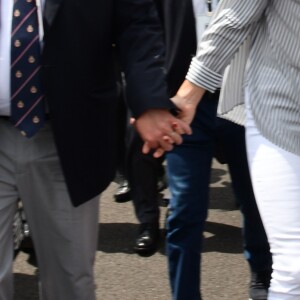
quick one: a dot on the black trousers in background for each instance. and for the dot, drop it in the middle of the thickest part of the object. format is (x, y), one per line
(143, 173)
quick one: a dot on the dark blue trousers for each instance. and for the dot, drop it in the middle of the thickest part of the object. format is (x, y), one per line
(188, 167)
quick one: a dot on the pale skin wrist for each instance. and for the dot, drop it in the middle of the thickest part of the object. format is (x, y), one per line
(187, 99)
(190, 94)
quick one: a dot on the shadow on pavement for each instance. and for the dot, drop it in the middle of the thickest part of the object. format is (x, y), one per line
(222, 198)
(120, 238)
(217, 175)
(222, 238)
(221, 193)
(218, 237)
(26, 287)
(117, 237)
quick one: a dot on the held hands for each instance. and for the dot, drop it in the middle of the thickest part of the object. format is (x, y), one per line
(186, 100)
(160, 130)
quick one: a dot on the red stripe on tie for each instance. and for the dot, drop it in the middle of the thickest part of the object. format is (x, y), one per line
(25, 50)
(23, 21)
(23, 85)
(29, 110)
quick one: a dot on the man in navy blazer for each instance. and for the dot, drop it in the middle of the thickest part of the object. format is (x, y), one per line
(81, 84)
(60, 172)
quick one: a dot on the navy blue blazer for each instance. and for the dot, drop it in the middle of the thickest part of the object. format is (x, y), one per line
(80, 81)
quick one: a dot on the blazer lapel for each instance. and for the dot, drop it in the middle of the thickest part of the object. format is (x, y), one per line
(51, 8)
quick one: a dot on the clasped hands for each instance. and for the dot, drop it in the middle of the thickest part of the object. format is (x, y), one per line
(160, 130)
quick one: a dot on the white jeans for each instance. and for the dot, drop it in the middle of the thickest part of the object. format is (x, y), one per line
(276, 181)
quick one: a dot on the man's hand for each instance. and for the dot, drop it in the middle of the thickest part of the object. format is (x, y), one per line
(187, 99)
(160, 129)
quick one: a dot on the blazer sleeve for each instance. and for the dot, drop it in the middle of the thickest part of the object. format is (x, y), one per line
(231, 25)
(140, 45)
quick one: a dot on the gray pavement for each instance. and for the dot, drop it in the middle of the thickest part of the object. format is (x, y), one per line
(122, 274)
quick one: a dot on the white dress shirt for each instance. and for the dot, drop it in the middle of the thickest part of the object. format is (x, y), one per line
(5, 32)
(203, 11)
(201, 6)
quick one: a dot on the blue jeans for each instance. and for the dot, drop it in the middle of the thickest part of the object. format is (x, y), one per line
(188, 168)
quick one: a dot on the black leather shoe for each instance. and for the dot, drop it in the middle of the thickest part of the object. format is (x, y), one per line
(123, 192)
(259, 285)
(148, 238)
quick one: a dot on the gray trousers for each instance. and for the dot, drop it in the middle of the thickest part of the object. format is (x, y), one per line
(65, 237)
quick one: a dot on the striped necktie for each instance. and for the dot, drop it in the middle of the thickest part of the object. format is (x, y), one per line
(27, 98)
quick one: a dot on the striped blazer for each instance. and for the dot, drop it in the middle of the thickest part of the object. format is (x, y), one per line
(259, 40)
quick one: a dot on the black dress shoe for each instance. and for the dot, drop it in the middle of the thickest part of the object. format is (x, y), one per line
(148, 238)
(123, 192)
(259, 285)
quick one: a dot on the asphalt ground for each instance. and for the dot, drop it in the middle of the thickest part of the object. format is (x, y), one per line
(122, 274)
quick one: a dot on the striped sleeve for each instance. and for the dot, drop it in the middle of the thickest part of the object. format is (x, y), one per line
(230, 26)
(200, 75)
